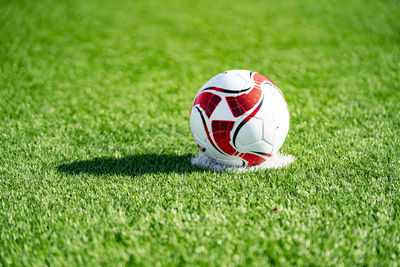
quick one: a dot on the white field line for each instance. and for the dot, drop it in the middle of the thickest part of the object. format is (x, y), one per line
(275, 161)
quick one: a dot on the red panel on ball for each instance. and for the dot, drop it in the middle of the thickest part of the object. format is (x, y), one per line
(243, 103)
(259, 79)
(252, 159)
(208, 102)
(221, 131)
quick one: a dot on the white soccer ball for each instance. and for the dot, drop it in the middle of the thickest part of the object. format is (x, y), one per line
(239, 118)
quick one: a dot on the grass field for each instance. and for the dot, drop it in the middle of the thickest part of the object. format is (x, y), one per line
(95, 144)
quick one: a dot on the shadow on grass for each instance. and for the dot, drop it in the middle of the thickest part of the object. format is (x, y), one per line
(132, 165)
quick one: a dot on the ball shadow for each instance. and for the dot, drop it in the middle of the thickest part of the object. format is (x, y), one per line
(132, 165)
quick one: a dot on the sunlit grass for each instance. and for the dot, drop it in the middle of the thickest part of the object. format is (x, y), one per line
(95, 140)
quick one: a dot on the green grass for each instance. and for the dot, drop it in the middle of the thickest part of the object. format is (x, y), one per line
(95, 140)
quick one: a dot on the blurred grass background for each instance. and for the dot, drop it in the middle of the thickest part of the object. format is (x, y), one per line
(95, 140)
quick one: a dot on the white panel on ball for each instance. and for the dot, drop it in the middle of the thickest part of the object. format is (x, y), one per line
(197, 127)
(250, 133)
(268, 129)
(232, 79)
(259, 146)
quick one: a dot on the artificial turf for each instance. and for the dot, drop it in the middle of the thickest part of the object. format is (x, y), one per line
(95, 141)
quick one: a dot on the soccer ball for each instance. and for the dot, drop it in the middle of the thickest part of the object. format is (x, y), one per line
(239, 118)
